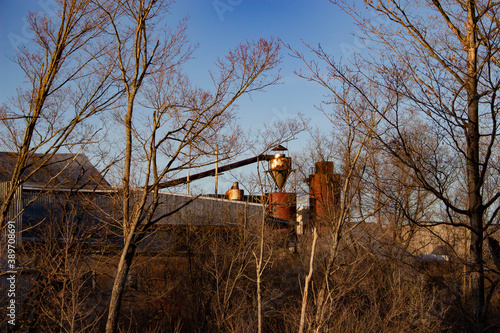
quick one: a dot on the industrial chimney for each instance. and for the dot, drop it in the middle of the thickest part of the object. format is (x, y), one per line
(324, 193)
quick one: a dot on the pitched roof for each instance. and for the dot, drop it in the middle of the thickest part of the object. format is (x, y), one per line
(63, 171)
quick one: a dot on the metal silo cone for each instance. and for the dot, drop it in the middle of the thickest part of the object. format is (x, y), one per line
(280, 168)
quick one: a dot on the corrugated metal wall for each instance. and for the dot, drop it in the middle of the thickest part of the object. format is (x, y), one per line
(206, 211)
(90, 209)
(14, 213)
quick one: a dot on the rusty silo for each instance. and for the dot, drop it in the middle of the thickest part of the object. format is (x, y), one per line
(235, 193)
(281, 205)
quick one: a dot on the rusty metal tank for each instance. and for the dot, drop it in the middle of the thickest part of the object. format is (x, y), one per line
(282, 205)
(324, 192)
(235, 193)
(280, 168)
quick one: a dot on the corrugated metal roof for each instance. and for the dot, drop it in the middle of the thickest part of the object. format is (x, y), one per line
(65, 171)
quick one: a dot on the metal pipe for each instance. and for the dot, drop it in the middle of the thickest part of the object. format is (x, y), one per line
(213, 172)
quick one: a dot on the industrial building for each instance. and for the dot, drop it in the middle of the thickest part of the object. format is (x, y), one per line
(68, 187)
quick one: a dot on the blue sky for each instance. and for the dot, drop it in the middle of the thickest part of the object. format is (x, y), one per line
(217, 26)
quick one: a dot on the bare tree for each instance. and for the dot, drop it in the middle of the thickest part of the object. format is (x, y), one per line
(344, 110)
(58, 268)
(65, 89)
(163, 117)
(436, 63)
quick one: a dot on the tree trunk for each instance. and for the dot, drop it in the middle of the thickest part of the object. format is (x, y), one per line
(320, 303)
(306, 284)
(474, 181)
(119, 285)
(477, 273)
